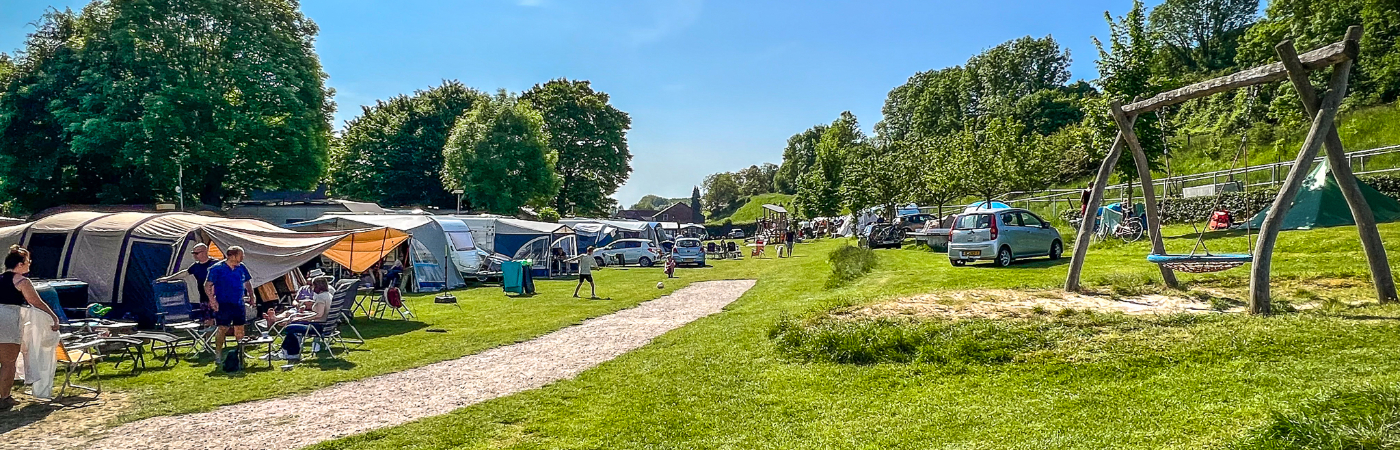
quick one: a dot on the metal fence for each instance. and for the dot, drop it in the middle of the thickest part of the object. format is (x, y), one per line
(1259, 175)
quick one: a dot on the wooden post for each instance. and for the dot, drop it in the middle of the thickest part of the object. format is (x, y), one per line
(1341, 171)
(1322, 123)
(1154, 222)
(1086, 223)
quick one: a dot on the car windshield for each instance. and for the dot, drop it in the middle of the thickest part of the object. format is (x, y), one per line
(973, 221)
(689, 243)
(461, 240)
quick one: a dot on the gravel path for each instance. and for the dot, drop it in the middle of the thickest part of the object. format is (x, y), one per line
(393, 399)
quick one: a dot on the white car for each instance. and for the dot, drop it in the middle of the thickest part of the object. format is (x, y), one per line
(643, 252)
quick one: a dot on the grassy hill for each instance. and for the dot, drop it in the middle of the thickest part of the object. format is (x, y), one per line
(749, 210)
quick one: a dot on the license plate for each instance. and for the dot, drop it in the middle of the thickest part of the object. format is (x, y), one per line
(972, 253)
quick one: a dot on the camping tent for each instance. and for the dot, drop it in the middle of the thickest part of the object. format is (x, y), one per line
(119, 255)
(593, 233)
(1320, 204)
(430, 256)
(622, 229)
(524, 239)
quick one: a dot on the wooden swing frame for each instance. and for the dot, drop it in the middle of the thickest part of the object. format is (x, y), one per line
(1323, 132)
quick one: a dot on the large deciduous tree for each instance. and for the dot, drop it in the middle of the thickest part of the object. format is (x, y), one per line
(722, 191)
(392, 153)
(1002, 158)
(798, 157)
(1125, 73)
(590, 137)
(499, 155)
(1201, 35)
(819, 190)
(106, 106)
(1313, 23)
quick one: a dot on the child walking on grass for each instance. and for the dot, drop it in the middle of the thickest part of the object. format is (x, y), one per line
(671, 265)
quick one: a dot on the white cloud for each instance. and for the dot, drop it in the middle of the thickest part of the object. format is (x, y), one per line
(668, 17)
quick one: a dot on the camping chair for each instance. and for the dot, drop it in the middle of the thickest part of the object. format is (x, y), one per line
(173, 311)
(341, 305)
(73, 359)
(392, 300)
(327, 331)
(733, 250)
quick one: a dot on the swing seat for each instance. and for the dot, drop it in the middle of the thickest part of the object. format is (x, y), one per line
(1201, 263)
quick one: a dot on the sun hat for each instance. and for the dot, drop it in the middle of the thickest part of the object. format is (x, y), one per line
(316, 273)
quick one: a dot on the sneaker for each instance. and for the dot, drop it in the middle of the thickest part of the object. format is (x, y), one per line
(290, 357)
(7, 403)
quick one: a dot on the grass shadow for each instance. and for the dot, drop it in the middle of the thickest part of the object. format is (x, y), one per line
(372, 329)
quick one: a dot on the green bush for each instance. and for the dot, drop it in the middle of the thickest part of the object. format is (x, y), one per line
(848, 264)
(1388, 184)
(1364, 419)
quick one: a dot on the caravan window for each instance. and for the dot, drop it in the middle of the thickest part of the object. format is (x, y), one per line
(461, 240)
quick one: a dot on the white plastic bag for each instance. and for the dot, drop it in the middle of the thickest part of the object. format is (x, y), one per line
(39, 347)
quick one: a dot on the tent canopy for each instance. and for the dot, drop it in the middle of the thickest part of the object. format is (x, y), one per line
(1320, 204)
(431, 258)
(361, 249)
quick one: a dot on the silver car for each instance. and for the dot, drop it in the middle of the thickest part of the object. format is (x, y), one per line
(1002, 235)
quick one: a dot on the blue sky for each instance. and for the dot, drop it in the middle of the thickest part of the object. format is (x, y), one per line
(711, 85)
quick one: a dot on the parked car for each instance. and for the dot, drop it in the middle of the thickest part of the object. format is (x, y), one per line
(644, 252)
(1002, 235)
(915, 222)
(736, 234)
(689, 251)
(882, 235)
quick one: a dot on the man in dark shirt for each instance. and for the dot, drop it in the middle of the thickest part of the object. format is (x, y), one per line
(789, 238)
(200, 270)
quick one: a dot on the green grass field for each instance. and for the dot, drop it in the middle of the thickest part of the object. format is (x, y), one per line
(1104, 381)
(487, 318)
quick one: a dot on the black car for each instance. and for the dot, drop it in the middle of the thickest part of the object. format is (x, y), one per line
(882, 235)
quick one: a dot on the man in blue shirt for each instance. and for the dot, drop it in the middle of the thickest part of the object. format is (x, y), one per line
(229, 287)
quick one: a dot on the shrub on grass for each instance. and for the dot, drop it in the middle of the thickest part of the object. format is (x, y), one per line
(848, 264)
(1353, 420)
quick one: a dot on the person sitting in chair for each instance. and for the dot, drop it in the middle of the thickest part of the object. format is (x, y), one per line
(300, 320)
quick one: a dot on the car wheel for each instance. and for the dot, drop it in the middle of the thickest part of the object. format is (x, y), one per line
(1004, 257)
(644, 262)
(598, 261)
(957, 262)
(1056, 249)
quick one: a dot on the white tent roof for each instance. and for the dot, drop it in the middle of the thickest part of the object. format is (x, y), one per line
(517, 226)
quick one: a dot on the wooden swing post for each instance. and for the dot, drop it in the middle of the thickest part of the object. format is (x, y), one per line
(1341, 171)
(1338, 55)
(1149, 194)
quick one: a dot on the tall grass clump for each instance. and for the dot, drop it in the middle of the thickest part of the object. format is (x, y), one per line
(980, 341)
(1365, 419)
(848, 264)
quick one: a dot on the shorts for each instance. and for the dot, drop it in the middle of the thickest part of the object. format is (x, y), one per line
(585, 277)
(230, 315)
(11, 324)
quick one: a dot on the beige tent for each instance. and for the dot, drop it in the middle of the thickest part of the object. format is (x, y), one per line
(119, 255)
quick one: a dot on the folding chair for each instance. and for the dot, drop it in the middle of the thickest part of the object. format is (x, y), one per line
(327, 332)
(341, 305)
(73, 359)
(392, 300)
(174, 314)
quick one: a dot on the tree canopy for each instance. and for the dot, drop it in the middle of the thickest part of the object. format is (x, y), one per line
(106, 105)
(590, 137)
(499, 155)
(392, 153)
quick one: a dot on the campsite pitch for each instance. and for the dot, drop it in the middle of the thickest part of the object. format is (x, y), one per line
(393, 399)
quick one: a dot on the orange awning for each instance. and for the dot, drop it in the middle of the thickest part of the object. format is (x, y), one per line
(360, 250)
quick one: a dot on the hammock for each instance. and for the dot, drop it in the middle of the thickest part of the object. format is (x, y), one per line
(1208, 262)
(1201, 263)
